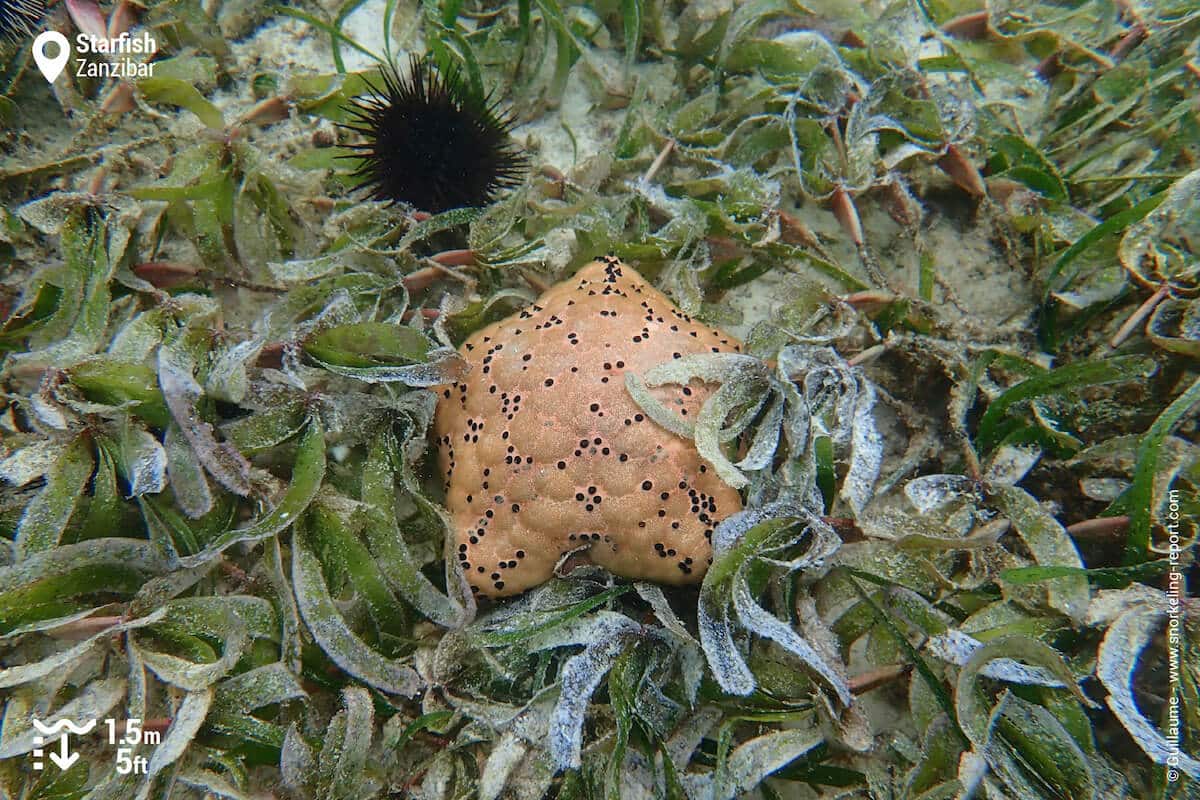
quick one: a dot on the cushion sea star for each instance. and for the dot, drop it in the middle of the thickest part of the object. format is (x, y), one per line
(545, 452)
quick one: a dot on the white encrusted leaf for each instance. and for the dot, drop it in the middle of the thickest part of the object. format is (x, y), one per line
(334, 635)
(95, 701)
(716, 637)
(956, 647)
(580, 676)
(184, 727)
(758, 620)
(182, 393)
(754, 760)
(31, 462)
(147, 460)
(1117, 661)
(197, 677)
(189, 484)
(1010, 463)
(930, 492)
(1050, 544)
(866, 451)
(295, 760)
(25, 673)
(506, 753)
(227, 376)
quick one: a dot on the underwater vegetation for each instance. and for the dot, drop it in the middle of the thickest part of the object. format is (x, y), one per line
(942, 264)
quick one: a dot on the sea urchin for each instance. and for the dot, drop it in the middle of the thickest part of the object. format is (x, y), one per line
(18, 18)
(433, 141)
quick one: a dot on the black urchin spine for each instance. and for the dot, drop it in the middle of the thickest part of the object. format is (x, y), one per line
(433, 142)
(18, 18)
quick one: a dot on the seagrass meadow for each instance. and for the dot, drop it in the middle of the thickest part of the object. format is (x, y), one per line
(346, 352)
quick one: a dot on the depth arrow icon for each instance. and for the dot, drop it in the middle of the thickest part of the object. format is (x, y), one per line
(64, 758)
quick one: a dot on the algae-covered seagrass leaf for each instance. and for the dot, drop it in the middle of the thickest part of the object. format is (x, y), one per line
(212, 784)
(729, 668)
(766, 439)
(210, 616)
(605, 638)
(51, 623)
(49, 415)
(1124, 643)
(733, 543)
(930, 492)
(307, 474)
(47, 514)
(300, 270)
(194, 676)
(369, 344)
(1050, 544)
(380, 352)
(31, 462)
(26, 673)
(1175, 327)
(1010, 463)
(295, 761)
(956, 647)
(580, 630)
(690, 654)
(507, 752)
(142, 460)
(176, 375)
(1025, 744)
(227, 379)
(1041, 755)
(710, 426)
(185, 474)
(258, 687)
(751, 762)
(387, 543)
(106, 380)
(31, 317)
(866, 451)
(833, 400)
(343, 554)
(173, 534)
(185, 724)
(76, 328)
(553, 604)
(48, 584)
(1017, 158)
(792, 58)
(655, 409)
(340, 766)
(181, 93)
(267, 427)
(441, 221)
(1162, 247)
(995, 422)
(758, 620)
(740, 540)
(1141, 500)
(333, 634)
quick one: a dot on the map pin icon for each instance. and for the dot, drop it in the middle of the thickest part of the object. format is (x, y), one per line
(51, 67)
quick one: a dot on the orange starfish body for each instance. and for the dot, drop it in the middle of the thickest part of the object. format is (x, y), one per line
(545, 452)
